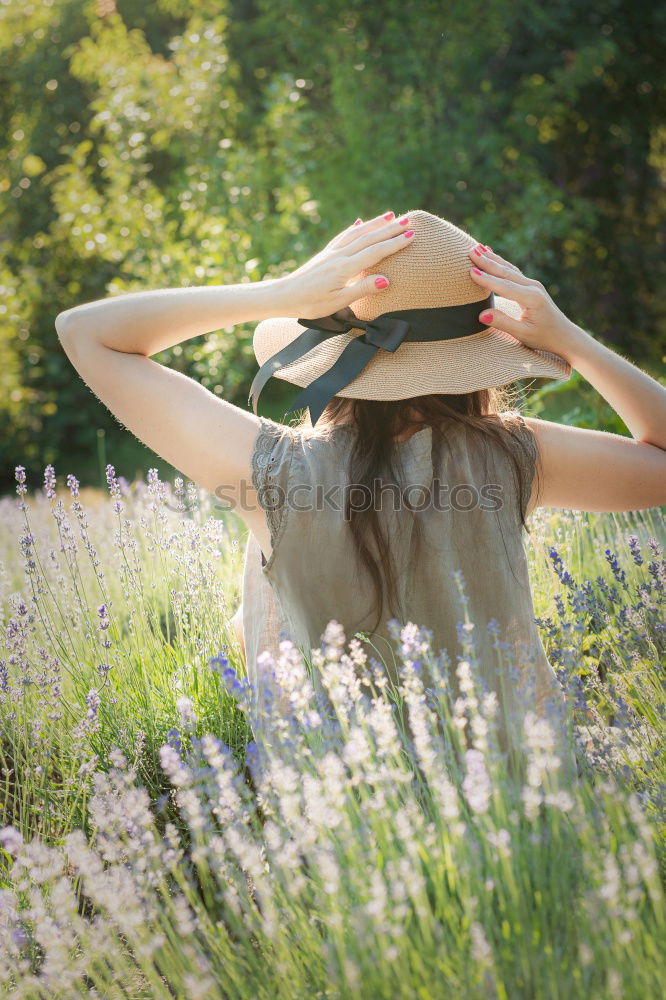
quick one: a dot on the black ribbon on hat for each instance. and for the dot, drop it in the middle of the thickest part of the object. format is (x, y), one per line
(387, 332)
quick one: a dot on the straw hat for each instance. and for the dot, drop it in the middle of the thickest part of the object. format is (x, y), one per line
(431, 273)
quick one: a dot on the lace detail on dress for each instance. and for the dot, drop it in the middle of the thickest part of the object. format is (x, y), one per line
(266, 457)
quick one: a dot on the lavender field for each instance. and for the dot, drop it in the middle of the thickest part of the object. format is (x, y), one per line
(157, 841)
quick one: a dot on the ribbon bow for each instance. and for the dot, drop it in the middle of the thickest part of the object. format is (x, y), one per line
(385, 331)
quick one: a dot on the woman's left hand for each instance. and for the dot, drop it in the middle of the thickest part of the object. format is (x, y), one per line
(542, 326)
(325, 283)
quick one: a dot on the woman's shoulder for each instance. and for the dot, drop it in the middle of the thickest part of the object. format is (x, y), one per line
(283, 446)
(303, 435)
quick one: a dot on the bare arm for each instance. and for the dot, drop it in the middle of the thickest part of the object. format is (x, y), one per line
(146, 323)
(635, 396)
(209, 440)
(586, 469)
(594, 470)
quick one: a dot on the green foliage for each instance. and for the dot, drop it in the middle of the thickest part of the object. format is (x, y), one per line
(575, 402)
(217, 141)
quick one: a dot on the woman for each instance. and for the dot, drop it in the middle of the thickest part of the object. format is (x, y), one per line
(414, 398)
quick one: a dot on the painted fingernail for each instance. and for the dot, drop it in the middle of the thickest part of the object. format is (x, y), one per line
(410, 233)
(358, 222)
(381, 282)
(489, 248)
(403, 222)
(476, 270)
(479, 251)
(389, 215)
(486, 317)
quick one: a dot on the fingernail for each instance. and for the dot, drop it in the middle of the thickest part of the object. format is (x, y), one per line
(389, 215)
(477, 251)
(486, 317)
(476, 270)
(403, 222)
(410, 233)
(358, 222)
(489, 248)
(381, 282)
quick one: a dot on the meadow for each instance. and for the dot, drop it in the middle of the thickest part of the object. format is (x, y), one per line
(157, 841)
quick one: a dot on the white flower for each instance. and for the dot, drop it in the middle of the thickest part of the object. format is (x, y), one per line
(11, 839)
(476, 784)
(185, 709)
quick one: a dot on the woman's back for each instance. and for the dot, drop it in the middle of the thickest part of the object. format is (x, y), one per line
(463, 486)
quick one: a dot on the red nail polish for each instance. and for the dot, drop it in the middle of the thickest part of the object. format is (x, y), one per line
(486, 317)
(358, 222)
(476, 270)
(477, 251)
(403, 222)
(381, 282)
(410, 233)
(389, 215)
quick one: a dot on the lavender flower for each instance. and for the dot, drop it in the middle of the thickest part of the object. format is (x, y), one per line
(618, 573)
(26, 541)
(185, 709)
(476, 783)
(114, 488)
(19, 475)
(563, 574)
(103, 625)
(73, 484)
(219, 663)
(50, 482)
(635, 549)
(11, 839)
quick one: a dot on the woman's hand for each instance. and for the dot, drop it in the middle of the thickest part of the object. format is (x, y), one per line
(542, 326)
(325, 283)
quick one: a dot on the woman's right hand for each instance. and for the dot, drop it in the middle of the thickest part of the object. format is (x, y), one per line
(543, 326)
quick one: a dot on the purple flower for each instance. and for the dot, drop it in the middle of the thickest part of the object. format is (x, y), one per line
(231, 680)
(114, 487)
(173, 739)
(564, 576)
(219, 663)
(19, 473)
(92, 701)
(27, 540)
(635, 549)
(11, 839)
(459, 580)
(73, 484)
(49, 481)
(581, 703)
(618, 573)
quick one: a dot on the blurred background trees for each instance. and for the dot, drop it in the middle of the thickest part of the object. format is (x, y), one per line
(193, 142)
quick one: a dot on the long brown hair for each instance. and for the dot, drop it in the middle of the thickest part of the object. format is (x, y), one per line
(374, 454)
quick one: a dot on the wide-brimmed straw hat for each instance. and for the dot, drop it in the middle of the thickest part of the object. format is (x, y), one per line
(420, 336)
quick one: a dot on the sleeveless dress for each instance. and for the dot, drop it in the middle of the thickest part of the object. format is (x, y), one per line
(313, 575)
